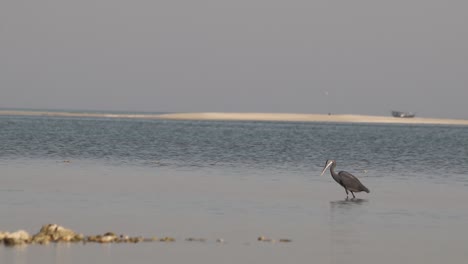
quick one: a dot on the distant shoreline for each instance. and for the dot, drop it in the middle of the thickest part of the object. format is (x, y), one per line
(285, 117)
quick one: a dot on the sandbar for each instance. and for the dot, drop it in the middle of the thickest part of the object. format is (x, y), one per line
(277, 117)
(291, 117)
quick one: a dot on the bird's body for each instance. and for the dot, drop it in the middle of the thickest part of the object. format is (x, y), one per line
(345, 179)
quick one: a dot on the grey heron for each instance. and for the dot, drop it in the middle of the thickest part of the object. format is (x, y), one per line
(345, 179)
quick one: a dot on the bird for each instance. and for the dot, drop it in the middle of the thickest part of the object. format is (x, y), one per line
(347, 180)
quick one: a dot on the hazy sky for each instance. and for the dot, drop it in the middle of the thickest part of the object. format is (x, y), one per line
(370, 56)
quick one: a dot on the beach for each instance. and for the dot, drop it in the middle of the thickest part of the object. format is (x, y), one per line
(277, 117)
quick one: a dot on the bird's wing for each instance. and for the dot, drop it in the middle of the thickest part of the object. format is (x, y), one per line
(350, 182)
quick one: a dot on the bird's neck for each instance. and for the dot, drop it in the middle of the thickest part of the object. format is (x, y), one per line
(333, 173)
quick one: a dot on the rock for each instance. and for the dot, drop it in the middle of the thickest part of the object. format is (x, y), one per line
(41, 239)
(19, 237)
(265, 239)
(91, 238)
(78, 238)
(167, 239)
(135, 240)
(123, 239)
(195, 239)
(107, 238)
(3, 235)
(56, 233)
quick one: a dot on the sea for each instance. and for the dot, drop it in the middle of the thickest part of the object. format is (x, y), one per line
(227, 183)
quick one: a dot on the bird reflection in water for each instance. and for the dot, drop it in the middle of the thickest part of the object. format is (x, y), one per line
(348, 202)
(346, 229)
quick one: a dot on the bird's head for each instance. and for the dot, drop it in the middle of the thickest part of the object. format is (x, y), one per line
(328, 163)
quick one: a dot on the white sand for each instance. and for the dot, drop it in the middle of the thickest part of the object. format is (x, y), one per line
(251, 117)
(311, 118)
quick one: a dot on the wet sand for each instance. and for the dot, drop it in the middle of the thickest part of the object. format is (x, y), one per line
(279, 117)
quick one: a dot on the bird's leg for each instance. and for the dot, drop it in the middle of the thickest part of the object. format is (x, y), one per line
(353, 194)
(346, 192)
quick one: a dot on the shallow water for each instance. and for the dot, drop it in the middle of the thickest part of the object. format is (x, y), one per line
(236, 181)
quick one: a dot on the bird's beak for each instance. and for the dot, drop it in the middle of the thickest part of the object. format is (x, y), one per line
(325, 168)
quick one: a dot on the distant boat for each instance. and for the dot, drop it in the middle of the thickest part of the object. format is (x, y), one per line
(403, 114)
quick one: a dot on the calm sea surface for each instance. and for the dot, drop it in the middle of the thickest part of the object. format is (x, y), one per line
(236, 181)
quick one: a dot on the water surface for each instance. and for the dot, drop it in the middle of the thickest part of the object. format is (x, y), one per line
(236, 181)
